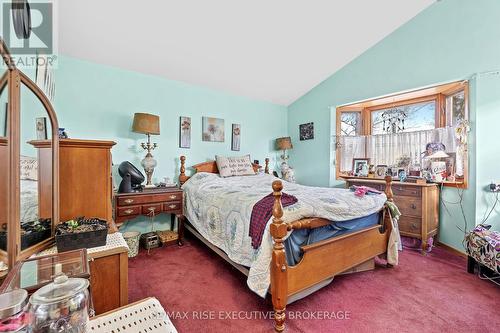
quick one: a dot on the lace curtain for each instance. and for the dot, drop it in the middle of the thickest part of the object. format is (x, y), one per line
(388, 148)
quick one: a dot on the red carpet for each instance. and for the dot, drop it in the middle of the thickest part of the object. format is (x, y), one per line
(203, 293)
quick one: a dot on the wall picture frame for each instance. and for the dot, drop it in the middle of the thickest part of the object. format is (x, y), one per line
(212, 129)
(306, 131)
(236, 137)
(41, 128)
(360, 166)
(184, 132)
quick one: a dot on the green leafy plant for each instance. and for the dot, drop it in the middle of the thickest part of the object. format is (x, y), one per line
(73, 224)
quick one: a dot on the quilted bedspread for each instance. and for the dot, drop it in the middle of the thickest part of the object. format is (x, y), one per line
(220, 209)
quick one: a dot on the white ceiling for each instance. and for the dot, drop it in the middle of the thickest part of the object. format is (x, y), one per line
(271, 50)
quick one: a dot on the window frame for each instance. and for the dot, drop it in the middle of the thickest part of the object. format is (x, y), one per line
(439, 94)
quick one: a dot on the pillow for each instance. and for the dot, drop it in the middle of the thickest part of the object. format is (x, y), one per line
(29, 168)
(234, 166)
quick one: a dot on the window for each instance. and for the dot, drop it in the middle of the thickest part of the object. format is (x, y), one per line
(404, 118)
(399, 126)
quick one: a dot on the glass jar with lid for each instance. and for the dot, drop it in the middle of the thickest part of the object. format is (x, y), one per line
(61, 306)
(14, 315)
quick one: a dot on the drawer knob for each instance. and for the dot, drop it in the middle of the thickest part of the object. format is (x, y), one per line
(414, 226)
(128, 211)
(172, 206)
(413, 206)
(129, 201)
(173, 196)
(151, 209)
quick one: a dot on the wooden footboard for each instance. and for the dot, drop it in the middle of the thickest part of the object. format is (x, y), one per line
(321, 260)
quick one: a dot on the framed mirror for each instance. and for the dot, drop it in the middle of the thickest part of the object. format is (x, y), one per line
(32, 209)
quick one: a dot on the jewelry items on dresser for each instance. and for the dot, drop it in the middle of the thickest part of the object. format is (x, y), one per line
(148, 124)
(14, 311)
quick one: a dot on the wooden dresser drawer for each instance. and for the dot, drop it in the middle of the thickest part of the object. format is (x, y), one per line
(410, 225)
(151, 208)
(409, 206)
(405, 190)
(142, 199)
(126, 211)
(379, 187)
(172, 206)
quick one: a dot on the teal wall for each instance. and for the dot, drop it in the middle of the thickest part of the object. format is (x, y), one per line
(98, 102)
(451, 40)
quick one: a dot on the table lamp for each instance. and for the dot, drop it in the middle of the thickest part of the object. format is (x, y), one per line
(148, 124)
(284, 143)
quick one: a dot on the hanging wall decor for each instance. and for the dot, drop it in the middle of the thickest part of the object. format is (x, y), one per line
(213, 129)
(306, 131)
(185, 132)
(236, 137)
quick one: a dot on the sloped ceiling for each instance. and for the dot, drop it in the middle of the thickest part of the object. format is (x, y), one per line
(271, 50)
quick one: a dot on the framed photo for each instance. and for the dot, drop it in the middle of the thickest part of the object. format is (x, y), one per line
(450, 166)
(306, 131)
(213, 129)
(41, 128)
(236, 137)
(185, 132)
(360, 166)
(380, 171)
(402, 174)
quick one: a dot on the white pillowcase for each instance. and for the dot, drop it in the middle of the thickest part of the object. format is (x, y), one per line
(29, 168)
(234, 166)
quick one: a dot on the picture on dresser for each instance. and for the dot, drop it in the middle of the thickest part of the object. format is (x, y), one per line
(450, 166)
(235, 142)
(41, 128)
(360, 166)
(185, 132)
(213, 129)
(380, 171)
(306, 131)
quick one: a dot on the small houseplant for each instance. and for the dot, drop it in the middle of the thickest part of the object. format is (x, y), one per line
(81, 233)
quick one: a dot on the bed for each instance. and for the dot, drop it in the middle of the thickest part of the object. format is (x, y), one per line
(290, 261)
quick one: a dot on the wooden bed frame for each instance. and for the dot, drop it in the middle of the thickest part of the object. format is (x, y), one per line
(345, 252)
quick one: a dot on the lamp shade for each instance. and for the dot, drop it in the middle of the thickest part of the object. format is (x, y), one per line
(146, 123)
(284, 143)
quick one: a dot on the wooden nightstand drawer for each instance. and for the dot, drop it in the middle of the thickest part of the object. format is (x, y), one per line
(151, 209)
(409, 206)
(177, 196)
(410, 225)
(172, 206)
(405, 190)
(126, 211)
(145, 198)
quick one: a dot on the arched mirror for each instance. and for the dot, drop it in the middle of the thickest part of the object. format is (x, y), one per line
(32, 179)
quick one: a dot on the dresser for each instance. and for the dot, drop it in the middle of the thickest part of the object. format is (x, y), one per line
(418, 203)
(84, 178)
(151, 202)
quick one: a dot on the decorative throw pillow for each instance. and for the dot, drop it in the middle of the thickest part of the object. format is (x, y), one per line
(234, 166)
(29, 168)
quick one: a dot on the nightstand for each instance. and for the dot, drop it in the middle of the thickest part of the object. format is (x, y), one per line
(151, 202)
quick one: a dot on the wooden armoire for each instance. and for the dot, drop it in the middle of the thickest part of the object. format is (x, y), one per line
(85, 184)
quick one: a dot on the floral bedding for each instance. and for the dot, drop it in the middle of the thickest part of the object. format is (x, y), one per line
(484, 246)
(220, 209)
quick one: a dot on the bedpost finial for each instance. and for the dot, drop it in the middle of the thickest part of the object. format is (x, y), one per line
(388, 188)
(266, 169)
(277, 186)
(183, 159)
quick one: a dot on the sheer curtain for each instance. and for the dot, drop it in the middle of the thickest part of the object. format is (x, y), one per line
(387, 148)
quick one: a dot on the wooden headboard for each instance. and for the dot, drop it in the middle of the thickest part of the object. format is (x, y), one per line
(211, 167)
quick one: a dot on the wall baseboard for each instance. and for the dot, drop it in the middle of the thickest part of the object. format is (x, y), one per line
(451, 249)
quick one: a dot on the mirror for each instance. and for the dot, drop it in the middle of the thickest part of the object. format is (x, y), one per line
(35, 172)
(4, 150)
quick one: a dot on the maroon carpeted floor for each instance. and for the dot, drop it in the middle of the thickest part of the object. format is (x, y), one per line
(203, 293)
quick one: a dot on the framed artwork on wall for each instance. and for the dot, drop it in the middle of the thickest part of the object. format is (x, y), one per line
(306, 131)
(41, 128)
(185, 132)
(213, 129)
(236, 137)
